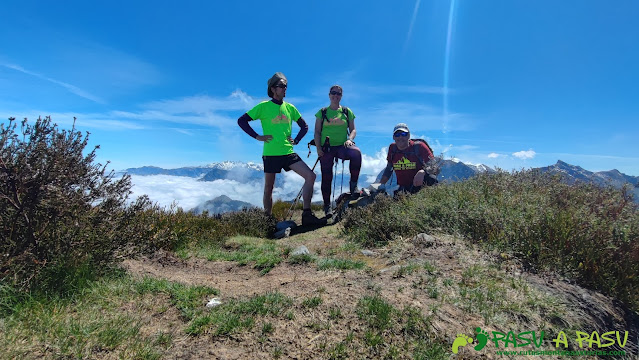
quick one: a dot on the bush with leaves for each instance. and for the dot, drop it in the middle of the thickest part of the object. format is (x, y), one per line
(584, 231)
(59, 208)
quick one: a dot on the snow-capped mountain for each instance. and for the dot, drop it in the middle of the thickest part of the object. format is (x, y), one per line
(573, 173)
(229, 165)
(451, 170)
(197, 171)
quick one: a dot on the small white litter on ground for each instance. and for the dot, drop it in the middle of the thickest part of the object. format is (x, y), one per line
(214, 302)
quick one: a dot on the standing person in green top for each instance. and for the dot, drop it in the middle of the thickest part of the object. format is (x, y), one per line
(338, 123)
(277, 117)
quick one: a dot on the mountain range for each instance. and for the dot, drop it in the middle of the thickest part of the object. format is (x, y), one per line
(451, 170)
(573, 173)
(219, 205)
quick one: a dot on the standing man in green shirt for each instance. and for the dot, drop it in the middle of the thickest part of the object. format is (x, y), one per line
(277, 117)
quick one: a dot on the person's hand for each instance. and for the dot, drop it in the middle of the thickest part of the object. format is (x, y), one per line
(418, 180)
(349, 143)
(265, 138)
(291, 140)
(320, 152)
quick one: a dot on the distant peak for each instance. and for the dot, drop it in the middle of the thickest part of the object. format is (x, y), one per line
(563, 164)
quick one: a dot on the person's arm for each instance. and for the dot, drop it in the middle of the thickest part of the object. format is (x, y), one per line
(243, 122)
(317, 136)
(388, 171)
(351, 134)
(303, 130)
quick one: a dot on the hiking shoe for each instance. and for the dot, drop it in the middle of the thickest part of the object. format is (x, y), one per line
(352, 186)
(308, 218)
(328, 211)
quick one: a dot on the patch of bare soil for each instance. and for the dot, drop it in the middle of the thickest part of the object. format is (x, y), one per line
(313, 332)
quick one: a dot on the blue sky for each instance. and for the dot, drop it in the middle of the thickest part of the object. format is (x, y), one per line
(513, 84)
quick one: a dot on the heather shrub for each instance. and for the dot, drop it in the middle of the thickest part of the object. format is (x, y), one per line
(58, 207)
(281, 208)
(250, 222)
(587, 232)
(380, 222)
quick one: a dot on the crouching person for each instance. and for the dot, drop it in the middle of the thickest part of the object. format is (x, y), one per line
(409, 159)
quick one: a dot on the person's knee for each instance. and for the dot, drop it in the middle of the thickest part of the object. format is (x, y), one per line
(268, 187)
(310, 177)
(357, 154)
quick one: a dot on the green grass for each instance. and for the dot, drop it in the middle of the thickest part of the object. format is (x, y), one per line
(237, 315)
(312, 302)
(406, 270)
(262, 254)
(388, 333)
(300, 259)
(105, 316)
(586, 232)
(189, 300)
(376, 312)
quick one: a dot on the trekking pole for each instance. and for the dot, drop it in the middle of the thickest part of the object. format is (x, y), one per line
(341, 186)
(335, 178)
(289, 213)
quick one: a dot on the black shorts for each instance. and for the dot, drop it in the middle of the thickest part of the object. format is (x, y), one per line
(275, 164)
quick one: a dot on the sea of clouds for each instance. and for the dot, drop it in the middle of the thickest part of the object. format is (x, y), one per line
(187, 192)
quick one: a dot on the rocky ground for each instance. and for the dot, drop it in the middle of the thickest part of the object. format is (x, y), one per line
(453, 284)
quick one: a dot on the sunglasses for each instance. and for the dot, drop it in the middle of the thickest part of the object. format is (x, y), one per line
(281, 86)
(400, 133)
(335, 93)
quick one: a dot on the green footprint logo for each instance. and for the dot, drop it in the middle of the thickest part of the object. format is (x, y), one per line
(461, 341)
(482, 338)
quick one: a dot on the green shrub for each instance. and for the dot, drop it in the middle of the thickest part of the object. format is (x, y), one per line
(250, 222)
(281, 208)
(582, 230)
(59, 208)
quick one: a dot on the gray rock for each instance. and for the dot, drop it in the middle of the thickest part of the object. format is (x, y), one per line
(300, 250)
(424, 239)
(368, 253)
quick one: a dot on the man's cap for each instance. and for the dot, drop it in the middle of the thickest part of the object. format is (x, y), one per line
(401, 127)
(273, 81)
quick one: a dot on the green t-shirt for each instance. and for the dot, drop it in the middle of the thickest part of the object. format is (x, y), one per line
(335, 127)
(276, 121)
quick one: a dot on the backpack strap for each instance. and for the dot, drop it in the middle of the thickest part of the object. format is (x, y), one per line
(416, 152)
(346, 114)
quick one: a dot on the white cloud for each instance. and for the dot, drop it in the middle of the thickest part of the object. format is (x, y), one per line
(71, 88)
(195, 110)
(493, 155)
(202, 104)
(412, 24)
(376, 163)
(189, 192)
(524, 155)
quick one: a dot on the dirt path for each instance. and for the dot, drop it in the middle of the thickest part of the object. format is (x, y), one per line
(429, 273)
